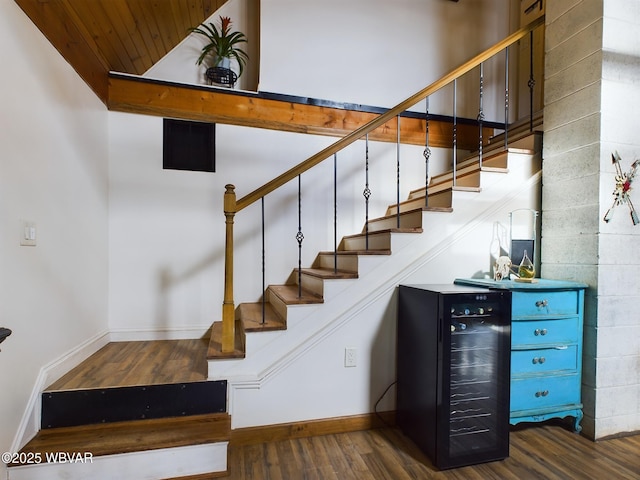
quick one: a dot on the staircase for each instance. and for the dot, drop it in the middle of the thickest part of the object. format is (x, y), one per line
(307, 296)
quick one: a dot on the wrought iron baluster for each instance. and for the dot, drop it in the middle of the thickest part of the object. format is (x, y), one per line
(398, 173)
(299, 236)
(455, 131)
(426, 153)
(264, 291)
(366, 193)
(481, 115)
(335, 213)
(506, 98)
(532, 82)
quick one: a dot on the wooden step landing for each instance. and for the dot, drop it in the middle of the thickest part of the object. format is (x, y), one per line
(122, 364)
(135, 436)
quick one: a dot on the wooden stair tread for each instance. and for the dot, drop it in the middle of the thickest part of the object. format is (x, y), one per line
(471, 165)
(386, 231)
(133, 436)
(289, 295)
(251, 316)
(371, 251)
(466, 189)
(328, 273)
(215, 342)
(409, 212)
(413, 200)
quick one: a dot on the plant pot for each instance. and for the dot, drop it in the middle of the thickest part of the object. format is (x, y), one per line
(221, 74)
(224, 77)
(222, 62)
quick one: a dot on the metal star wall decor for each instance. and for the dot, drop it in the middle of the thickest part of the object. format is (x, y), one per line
(623, 188)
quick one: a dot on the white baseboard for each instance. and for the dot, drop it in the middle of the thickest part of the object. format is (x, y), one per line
(136, 335)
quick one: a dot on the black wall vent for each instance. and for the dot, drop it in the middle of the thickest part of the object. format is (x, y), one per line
(189, 146)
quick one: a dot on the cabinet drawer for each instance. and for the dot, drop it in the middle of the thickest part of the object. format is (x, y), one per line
(543, 392)
(544, 332)
(544, 360)
(545, 303)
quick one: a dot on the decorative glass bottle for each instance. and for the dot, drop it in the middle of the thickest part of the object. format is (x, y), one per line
(526, 270)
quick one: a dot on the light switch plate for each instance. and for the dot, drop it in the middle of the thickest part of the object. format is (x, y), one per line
(28, 233)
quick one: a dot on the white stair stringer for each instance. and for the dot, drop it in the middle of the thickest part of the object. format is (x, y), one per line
(308, 328)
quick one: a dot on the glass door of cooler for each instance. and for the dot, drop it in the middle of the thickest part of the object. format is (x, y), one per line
(475, 378)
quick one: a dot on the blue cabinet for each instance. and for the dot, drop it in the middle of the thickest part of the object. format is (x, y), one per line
(546, 348)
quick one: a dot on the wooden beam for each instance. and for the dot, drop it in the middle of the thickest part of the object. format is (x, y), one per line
(149, 97)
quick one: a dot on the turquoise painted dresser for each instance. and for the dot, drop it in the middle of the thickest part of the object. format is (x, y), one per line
(546, 348)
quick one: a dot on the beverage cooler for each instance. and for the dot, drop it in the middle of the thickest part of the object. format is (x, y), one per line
(453, 362)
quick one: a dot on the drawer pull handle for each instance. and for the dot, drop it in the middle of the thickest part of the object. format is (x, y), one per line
(537, 360)
(542, 394)
(537, 332)
(542, 303)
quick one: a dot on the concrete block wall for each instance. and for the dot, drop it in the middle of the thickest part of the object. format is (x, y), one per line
(592, 97)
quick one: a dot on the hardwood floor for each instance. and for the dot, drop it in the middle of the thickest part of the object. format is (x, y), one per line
(123, 364)
(536, 452)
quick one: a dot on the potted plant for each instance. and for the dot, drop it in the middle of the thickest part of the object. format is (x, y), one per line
(223, 46)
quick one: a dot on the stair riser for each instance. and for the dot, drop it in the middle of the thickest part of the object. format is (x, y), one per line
(410, 220)
(471, 180)
(466, 177)
(106, 405)
(311, 283)
(439, 200)
(376, 242)
(346, 263)
(500, 160)
(144, 465)
(278, 305)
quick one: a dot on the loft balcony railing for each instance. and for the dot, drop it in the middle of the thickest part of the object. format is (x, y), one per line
(232, 205)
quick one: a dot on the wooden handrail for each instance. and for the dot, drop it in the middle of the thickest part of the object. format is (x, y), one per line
(385, 117)
(232, 206)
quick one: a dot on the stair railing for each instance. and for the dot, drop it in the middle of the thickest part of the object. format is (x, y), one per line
(232, 205)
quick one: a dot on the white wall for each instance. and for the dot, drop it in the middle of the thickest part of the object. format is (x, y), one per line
(53, 171)
(378, 52)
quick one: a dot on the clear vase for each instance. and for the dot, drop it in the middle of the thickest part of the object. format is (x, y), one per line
(526, 268)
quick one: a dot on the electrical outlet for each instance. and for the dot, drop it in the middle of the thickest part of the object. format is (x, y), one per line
(350, 357)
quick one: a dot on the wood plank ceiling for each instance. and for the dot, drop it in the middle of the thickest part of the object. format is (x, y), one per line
(128, 36)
